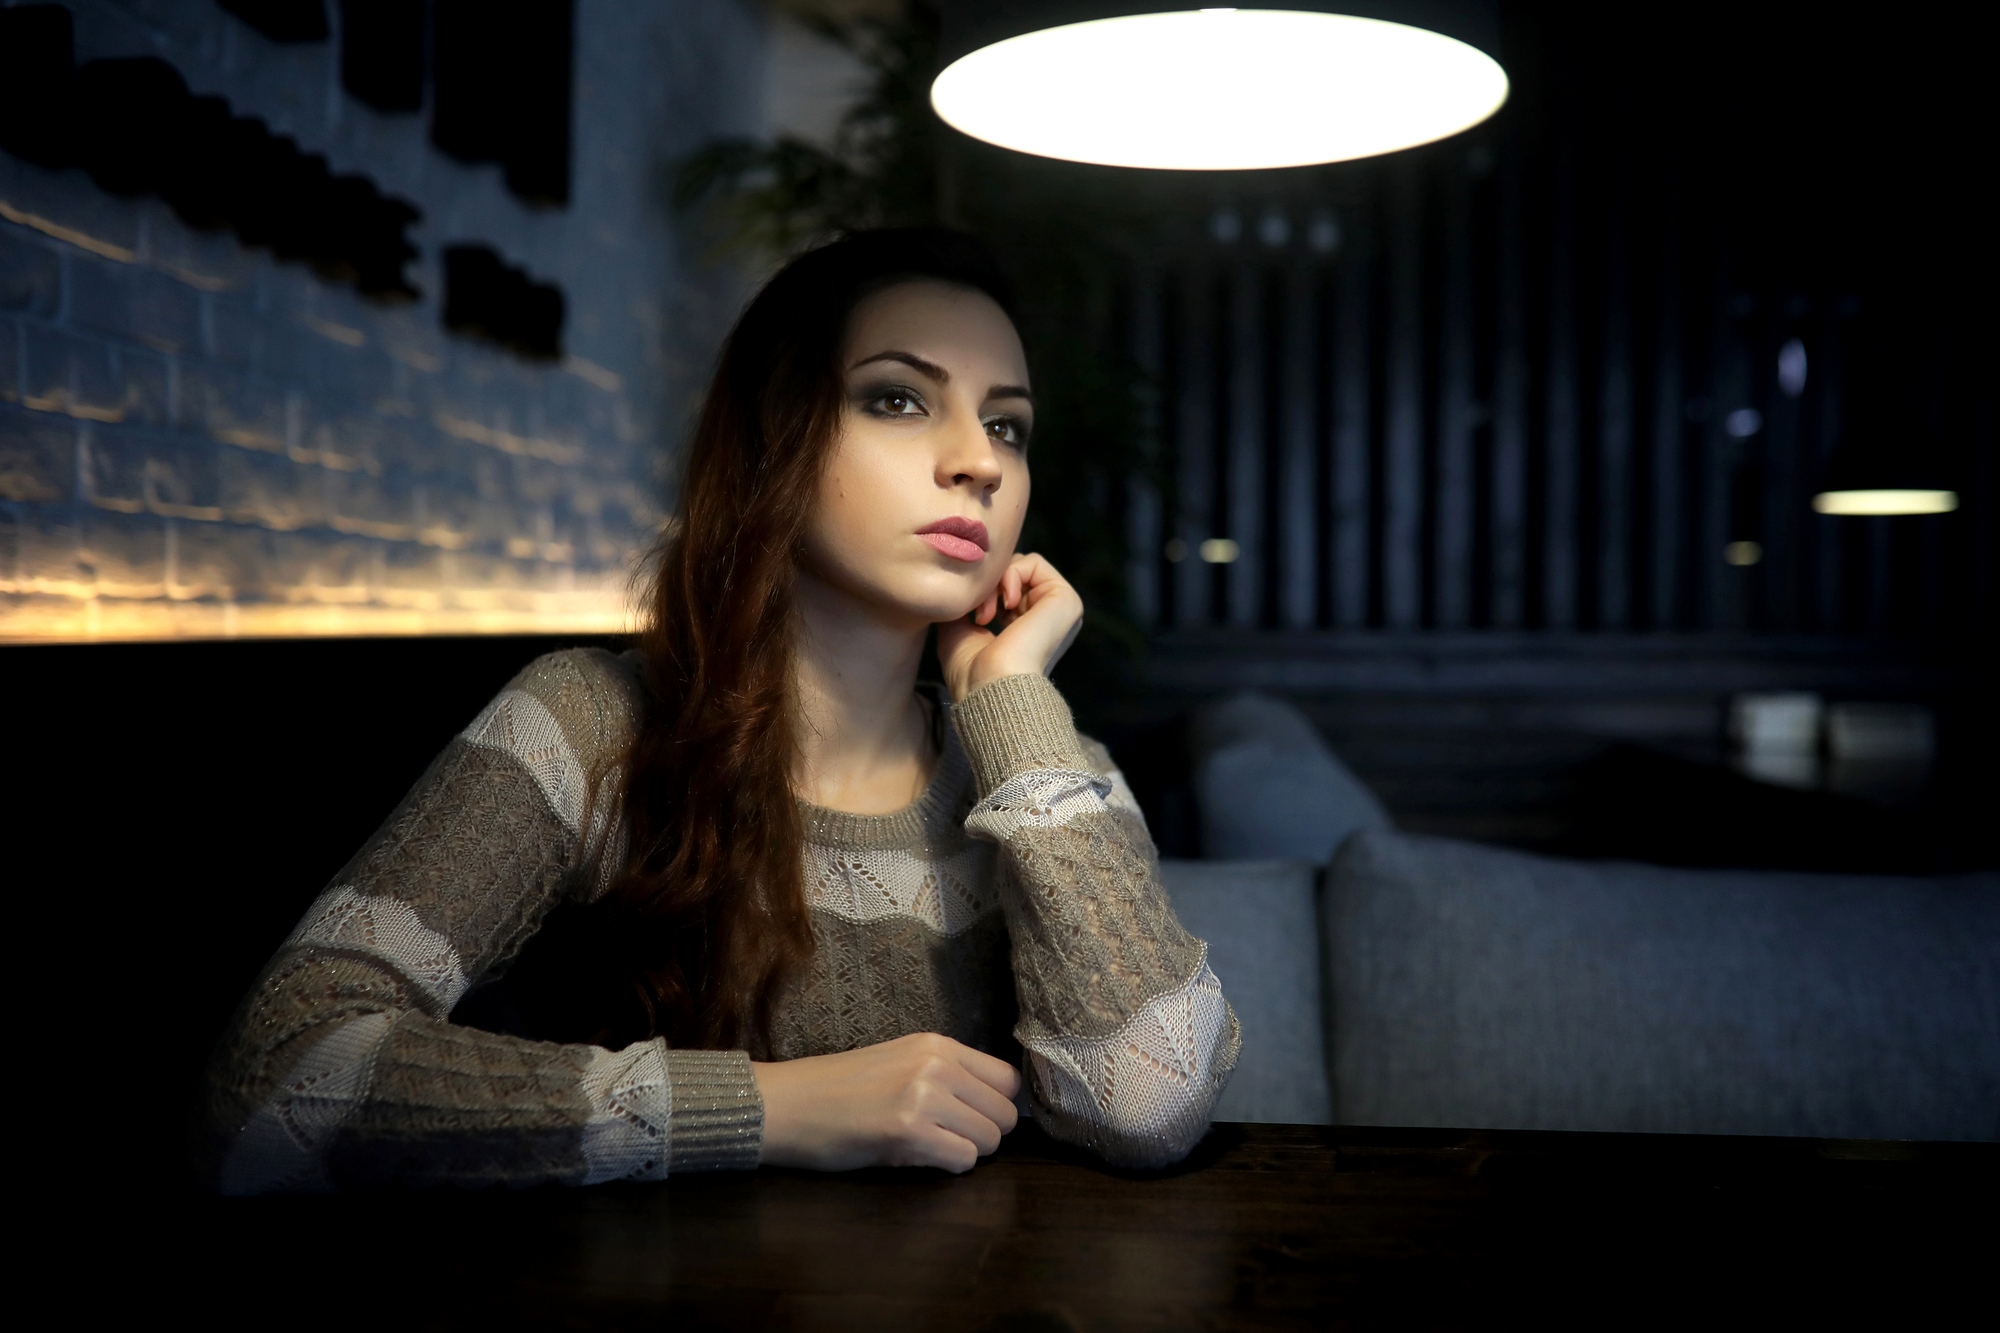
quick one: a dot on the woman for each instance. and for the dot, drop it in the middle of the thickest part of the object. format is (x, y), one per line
(748, 894)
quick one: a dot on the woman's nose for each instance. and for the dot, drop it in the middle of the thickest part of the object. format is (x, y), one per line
(969, 457)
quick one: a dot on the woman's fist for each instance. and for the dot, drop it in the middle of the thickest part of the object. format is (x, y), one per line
(1043, 615)
(921, 1100)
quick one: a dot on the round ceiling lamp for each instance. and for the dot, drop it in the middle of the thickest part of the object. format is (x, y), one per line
(1214, 89)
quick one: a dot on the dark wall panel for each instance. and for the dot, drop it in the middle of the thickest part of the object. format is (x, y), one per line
(1584, 368)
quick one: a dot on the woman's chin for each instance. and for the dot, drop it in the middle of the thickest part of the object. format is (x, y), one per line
(920, 597)
(925, 608)
(942, 613)
(937, 600)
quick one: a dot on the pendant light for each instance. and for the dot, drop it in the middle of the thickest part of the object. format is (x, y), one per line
(1217, 89)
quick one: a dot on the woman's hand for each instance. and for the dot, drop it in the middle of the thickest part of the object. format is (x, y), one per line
(1044, 615)
(921, 1100)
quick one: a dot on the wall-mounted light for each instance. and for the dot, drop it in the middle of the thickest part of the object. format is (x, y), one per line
(1879, 471)
(1743, 554)
(1887, 502)
(1212, 550)
(1219, 88)
(1220, 551)
(1890, 459)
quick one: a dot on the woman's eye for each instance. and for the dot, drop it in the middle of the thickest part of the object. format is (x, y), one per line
(897, 403)
(1008, 430)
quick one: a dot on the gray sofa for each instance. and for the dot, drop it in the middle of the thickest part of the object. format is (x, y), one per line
(1424, 981)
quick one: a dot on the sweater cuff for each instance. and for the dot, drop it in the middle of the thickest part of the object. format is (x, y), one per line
(717, 1115)
(1014, 724)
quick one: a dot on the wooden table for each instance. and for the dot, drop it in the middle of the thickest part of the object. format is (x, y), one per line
(1266, 1227)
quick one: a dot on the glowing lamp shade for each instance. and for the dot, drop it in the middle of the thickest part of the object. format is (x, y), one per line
(1217, 90)
(1875, 504)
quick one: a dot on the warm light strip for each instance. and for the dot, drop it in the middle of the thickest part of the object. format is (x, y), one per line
(1880, 503)
(1229, 89)
(107, 620)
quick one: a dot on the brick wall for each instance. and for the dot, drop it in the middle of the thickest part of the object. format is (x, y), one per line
(199, 439)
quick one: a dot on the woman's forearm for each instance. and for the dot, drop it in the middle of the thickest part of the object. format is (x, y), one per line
(1129, 1038)
(342, 1066)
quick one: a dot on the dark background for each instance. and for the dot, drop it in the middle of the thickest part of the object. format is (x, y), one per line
(179, 805)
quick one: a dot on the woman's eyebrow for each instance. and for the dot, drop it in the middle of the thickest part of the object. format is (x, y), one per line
(910, 359)
(933, 370)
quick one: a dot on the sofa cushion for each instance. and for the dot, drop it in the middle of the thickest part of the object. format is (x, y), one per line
(1270, 788)
(1475, 987)
(1258, 918)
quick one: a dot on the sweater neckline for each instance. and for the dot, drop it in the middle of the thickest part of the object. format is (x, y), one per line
(915, 823)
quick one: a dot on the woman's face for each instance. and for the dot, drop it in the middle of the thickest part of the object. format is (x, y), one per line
(922, 501)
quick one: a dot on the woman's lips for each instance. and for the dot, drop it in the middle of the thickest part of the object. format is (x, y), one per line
(957, 538)
(958, 548)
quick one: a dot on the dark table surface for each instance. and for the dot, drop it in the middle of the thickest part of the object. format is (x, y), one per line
(1266, 1226)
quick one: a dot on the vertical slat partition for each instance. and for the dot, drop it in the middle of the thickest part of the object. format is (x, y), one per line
(1488, 386)
(1403, 436)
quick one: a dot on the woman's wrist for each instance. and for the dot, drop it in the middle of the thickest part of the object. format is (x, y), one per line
(773, 1090)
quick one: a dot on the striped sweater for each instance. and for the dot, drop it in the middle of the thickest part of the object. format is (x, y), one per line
(1017, 900)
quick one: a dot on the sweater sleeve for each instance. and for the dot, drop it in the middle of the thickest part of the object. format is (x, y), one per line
(342, 1068)
(1129, 1041)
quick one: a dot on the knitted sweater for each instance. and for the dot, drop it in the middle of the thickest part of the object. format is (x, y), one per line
(1021, 889)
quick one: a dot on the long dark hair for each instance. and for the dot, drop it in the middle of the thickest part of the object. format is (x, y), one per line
(706, 918)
